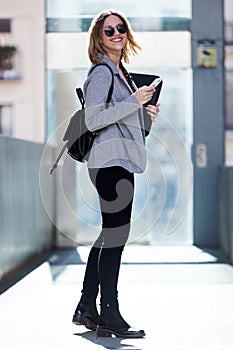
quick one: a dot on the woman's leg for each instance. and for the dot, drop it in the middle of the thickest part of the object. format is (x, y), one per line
(115, 187)
(86, 311)
(91, 278)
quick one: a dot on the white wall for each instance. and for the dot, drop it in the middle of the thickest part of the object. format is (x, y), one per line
(27, 95)
(160, 49)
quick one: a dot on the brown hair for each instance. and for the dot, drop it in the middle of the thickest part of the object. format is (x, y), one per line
(96, 50)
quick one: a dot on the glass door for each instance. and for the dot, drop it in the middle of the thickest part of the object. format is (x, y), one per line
(162, 211)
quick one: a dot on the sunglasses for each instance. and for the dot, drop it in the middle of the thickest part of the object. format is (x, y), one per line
(110, 31)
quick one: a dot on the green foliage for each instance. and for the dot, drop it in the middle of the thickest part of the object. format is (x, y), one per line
(6, 54)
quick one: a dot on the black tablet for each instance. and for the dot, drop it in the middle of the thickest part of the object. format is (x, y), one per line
(141, 79)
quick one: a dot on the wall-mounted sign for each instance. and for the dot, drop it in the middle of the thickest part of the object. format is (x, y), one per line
(201, 155)
(206, 54)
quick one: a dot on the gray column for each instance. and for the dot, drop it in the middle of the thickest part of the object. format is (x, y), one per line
(208, 113)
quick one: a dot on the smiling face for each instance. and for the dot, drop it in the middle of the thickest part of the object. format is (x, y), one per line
(116, 42)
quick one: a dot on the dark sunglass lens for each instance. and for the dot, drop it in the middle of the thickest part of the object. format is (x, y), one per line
(109, 31)
(121, 28)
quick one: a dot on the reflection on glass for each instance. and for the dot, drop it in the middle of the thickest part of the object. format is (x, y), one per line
(72, 8)
(149, 15)
(162, 211)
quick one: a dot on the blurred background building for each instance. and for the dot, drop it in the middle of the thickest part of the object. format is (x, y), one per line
(185, 196)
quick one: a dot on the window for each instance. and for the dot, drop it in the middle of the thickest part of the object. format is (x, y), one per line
(5, 32)
(6, 120)
(7, 51)
(153, 21)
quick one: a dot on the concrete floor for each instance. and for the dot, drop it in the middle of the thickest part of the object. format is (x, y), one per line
(181, 296)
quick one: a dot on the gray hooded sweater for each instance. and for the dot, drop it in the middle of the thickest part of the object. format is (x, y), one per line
(121, 140)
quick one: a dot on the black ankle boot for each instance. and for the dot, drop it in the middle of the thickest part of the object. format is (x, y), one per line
(86, 313)
(111, 322)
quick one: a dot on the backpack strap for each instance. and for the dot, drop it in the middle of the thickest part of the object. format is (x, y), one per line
(58, 158)
(112, 84)
(79, 92)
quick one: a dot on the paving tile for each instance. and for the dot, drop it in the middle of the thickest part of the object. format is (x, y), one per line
(180, 306)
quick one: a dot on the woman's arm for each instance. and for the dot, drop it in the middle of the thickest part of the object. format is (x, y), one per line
(96, 90)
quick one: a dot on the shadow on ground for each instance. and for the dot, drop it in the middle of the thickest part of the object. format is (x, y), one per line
(109, 342)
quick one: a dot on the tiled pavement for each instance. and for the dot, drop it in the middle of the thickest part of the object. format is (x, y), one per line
(181, 296)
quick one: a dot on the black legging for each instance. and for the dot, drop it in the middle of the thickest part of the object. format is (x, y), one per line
(115, 187)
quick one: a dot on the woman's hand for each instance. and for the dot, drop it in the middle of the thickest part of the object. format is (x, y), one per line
(153, 111)
(144, 94)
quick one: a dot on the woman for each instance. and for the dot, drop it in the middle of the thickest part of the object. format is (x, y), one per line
(117, 153)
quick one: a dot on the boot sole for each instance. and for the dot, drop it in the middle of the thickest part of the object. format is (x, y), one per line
(105, 332)
(81, 320)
